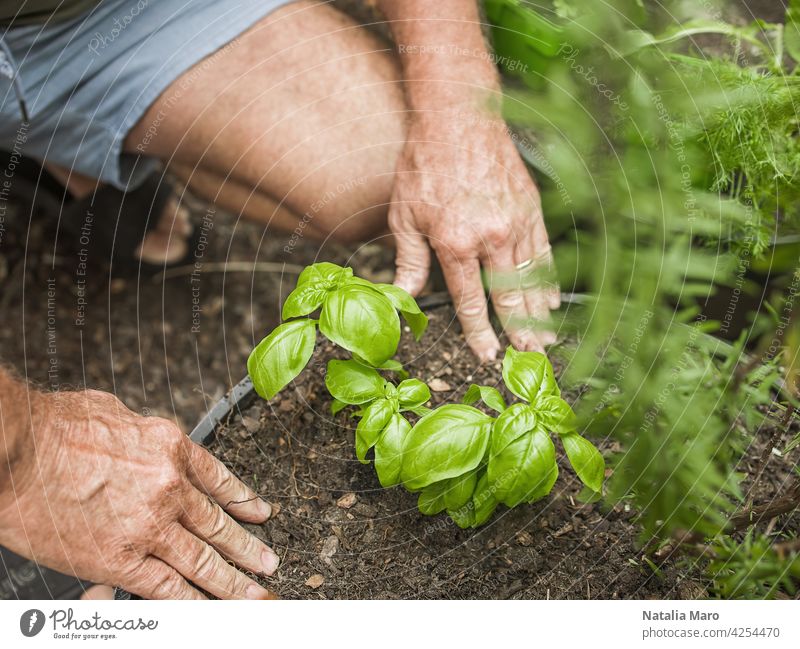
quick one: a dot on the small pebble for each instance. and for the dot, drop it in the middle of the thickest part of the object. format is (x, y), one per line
(347, 501)
(437, 385)
(251, 424)
(329, 548)
(525, 539)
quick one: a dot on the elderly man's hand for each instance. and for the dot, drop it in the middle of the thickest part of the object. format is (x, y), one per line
(127, 500)
(462, 189)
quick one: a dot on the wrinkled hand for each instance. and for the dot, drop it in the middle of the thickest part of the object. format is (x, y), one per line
(462, 190)
(126, 500)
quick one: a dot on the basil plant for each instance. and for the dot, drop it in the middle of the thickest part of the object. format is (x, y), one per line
(357, 315)
(463, 461)
(457, 458)
(382, 426)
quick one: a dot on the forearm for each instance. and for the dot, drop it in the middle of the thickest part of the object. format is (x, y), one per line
(21, 409)
(443, 53)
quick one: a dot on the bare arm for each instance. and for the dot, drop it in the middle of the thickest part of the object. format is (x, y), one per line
(443, 53)
(461, 188)
(90, 488)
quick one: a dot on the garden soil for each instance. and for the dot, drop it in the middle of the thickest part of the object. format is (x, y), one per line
(338, 533)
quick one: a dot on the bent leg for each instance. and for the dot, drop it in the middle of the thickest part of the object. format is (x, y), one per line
(164, 243)
(307, 108)
(240, 198)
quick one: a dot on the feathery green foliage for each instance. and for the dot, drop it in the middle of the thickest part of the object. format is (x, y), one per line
(665, 174)
(752, 569)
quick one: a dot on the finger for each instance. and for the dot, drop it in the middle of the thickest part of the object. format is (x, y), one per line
(206, 520)
(463, 277)
(509, 300)
(535, 245)
(204, 567)
(156, 580)
(539, 288)
(212, 477)
(413, 258)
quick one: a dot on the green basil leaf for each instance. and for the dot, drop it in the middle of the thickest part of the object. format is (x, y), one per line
(302, 301)
(407, 305)
(362, 321)
(464, 517)
(483, 501)
(490, 396)
(458, 491)
(337, 406)
(525, 470)
(281, 356)
(388, 366)
(393, 366)
(529, 375)
(413, 393)
(452, 494)
(479, 509)
(431, 498)
(511, 425)
(556, 415)
(444, 444)
(389, 450)
(352, 382)
(325, 275)
(375, 418)
(313, 285)
(420, 411)
(545, 485)
(586, 460)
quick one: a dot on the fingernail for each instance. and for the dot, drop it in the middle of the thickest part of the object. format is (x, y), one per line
(254, 591)
(265, 508)
(489, 355)
(270, 561)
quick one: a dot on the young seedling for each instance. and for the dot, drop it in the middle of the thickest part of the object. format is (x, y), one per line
(380, 402)
(464, 461)
(522, 461)
(355, 314)
(444, 458)
(457, 458)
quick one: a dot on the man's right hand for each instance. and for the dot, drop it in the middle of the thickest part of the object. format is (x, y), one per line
(112, 497)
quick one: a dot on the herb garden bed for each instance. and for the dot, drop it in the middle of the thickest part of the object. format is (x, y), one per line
(337, 524)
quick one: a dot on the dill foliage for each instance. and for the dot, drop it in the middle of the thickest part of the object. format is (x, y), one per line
(667, 174)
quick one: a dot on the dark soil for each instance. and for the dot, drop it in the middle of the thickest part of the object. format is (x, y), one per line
(336, 524)
(137, 342)
(298, 456)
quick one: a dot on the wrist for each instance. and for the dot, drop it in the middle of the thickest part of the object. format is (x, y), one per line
(458, 124)
(443, 97)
